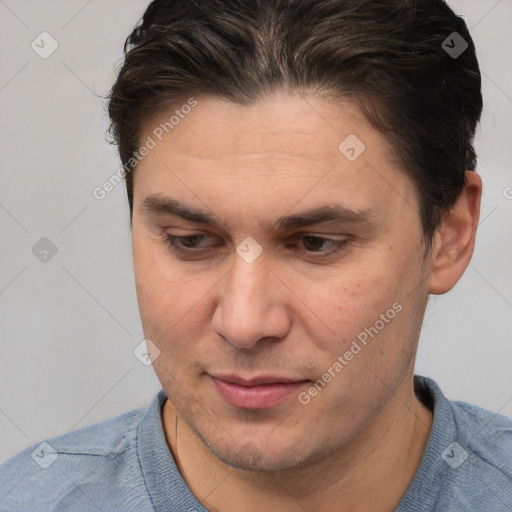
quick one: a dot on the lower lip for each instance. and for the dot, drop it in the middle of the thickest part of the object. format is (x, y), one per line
(256, 397)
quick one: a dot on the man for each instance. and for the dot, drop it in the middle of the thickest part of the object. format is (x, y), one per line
(301, 178)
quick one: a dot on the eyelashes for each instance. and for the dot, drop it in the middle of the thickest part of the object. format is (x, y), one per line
(186, 245)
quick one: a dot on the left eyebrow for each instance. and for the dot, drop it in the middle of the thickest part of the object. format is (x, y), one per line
(329, 213)
(321, 215)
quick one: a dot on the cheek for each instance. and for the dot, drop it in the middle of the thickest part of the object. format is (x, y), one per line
(354, 296)
(171, 301)
(367, 302)
(158, 288)
(165, 304)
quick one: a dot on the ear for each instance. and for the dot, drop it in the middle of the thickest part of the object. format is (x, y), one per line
(455, 238)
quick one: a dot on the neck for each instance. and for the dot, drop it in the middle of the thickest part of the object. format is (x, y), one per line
(371, 472)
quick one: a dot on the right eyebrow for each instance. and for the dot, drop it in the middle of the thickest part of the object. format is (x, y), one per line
(329, 213)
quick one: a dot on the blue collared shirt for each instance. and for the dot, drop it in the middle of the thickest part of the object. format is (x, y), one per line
(125, 464)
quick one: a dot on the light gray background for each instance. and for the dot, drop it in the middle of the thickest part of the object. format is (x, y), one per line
(69, 326)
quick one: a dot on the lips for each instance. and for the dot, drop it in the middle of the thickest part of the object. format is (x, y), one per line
(256, 381)
(259, 392)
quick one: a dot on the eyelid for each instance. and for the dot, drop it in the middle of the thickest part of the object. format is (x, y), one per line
(338, 245)
(303, 234)
(324, 236)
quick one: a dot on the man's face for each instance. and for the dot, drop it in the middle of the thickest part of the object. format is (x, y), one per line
(220, 310)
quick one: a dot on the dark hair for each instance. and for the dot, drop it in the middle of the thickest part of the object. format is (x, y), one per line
(389, 56)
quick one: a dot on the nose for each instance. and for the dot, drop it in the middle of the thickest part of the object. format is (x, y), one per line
(251, 305)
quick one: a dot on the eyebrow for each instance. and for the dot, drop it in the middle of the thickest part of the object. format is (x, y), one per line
(328, 213)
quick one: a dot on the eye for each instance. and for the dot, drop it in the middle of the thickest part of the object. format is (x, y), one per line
(190, 245)
(313, 244)
(184, 244)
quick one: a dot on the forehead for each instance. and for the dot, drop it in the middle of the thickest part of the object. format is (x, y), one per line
(282, 122)
(285, 147)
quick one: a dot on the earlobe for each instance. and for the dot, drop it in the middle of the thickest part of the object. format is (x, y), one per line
(455, 239)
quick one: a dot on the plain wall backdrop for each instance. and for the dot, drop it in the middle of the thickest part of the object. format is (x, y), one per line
(69, 324)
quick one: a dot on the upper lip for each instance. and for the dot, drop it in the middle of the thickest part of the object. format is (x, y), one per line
(256, 381)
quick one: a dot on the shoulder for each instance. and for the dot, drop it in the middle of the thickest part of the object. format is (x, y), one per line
(467, 463)
(80, 470)
(488, 436)
(478, 469)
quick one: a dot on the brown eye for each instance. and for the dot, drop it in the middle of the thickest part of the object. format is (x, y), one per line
(186, 244)
(313, 244)
(190, 241)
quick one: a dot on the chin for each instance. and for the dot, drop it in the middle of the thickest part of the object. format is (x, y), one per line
(250, 458)
(265, 457)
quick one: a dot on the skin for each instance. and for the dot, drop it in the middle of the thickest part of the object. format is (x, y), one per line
(358, 443)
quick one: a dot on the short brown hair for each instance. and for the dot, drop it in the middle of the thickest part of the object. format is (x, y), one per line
(387, 55)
